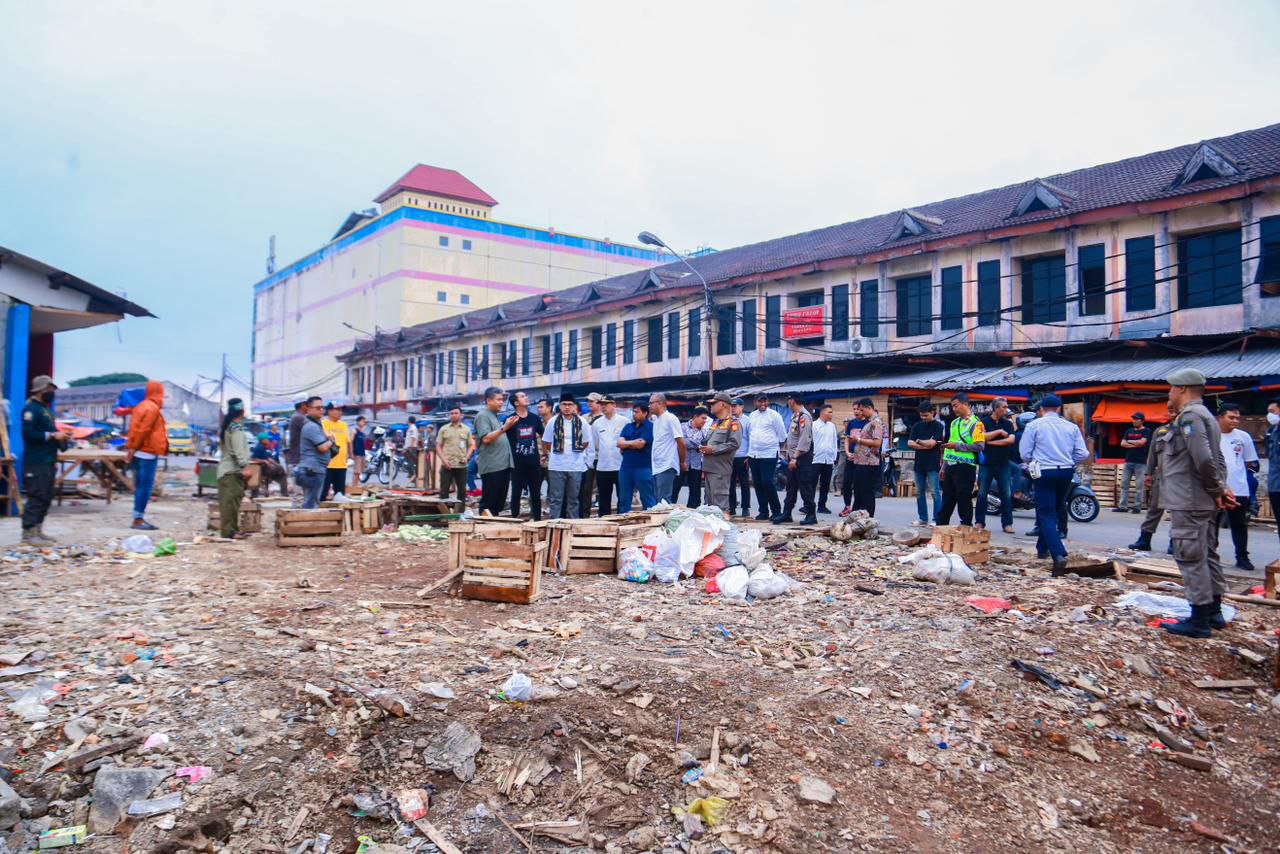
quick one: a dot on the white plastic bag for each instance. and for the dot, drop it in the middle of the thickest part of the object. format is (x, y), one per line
(697, 537)
(732, 581)
(664, 553)
(1165, 606)
(929, 551)
(730, 545)
(518, 688)
(750, 553)
(636, 566)
(139, 544)
(944, 569)
(766, 583)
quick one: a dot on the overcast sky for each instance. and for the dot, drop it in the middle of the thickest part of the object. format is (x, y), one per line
(152, 147)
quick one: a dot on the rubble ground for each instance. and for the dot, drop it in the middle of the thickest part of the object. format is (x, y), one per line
(862, 711)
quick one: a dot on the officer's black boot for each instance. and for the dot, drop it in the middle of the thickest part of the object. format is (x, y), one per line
(1195, 626)
(1142, 544)
(1214, 615)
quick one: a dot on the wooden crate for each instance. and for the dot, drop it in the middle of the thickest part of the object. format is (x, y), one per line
(1106, 483)
(500, 570)
(972, 544)
(906, 488)
(308, 528)
(582, 545)
(250, 517)
(463, 533)
(358, 517)
(633, 528)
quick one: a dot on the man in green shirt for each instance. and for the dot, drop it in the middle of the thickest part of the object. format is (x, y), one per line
(493, 460)
(41, 441)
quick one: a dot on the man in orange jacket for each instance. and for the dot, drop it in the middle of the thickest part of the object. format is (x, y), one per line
(148, 442)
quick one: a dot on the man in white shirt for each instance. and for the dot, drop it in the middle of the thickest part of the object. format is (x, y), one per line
(825, 447)
(668, 447)
(765, 437)
(568, 440)
(586, 492)
(1239, 453)
(608, 430)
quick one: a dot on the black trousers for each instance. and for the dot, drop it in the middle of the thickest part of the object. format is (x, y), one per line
(958, 480)
(606, 489)
(335, 481)
(824, 481)
(1238, 521)
(801, 481)
(584, 492)
(38, 480)
(693, 480)
(763, 472)
(740, 481)
(527, 474)
(846, 483)
(450, 478)
(866, 484)
(493, 490)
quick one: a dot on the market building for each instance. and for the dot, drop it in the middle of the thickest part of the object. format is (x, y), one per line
(1093, 283)
(101, 403)
(431, 250)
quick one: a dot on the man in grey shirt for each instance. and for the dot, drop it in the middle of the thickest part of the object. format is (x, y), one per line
(313, 448)
(493, 459)
(294, 435)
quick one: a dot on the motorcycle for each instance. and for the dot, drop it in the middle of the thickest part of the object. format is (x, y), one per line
(378, 462)
(1082, 502)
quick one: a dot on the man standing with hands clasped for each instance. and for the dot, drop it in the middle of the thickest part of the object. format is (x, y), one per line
(493, 459)
(1193, 489)
(1134, 442)
(724, 437)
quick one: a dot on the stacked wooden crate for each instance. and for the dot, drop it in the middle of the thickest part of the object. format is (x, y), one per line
(582, 545)
(358, 517)
(250, 517)
(499, 561)
(971, 544)
(308, 528)
(1106, 483)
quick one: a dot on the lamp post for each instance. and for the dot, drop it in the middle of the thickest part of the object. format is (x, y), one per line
(651, 239)
(375, 361)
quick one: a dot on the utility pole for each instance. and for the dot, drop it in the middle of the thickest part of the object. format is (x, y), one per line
(651, 239)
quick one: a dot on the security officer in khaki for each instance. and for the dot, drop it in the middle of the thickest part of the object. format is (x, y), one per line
(723, 441)
(1193, 488)
(1155, 512)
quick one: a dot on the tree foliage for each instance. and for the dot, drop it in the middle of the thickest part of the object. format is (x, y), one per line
(104, 379)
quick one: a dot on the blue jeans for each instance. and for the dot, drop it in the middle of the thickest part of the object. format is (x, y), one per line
(663, 482)
(629, 481)
(311, 483)
(1051, 493)
(1004, 482)
(145, 481)
(927, 482)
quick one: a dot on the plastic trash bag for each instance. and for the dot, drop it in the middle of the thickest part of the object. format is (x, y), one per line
(709, 565)
(765, 582)
(729, 547)
(636, 566)
(733, 581)
(944, 569)
(750, 553)
(1165, 606)
(710, 510)
(664, 553)
(697, 537)
(929, 551)
(139, 544)
(518, 688)
(167, 546)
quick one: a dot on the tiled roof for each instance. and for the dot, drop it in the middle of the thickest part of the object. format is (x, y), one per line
(438, 182)
(1145, 178)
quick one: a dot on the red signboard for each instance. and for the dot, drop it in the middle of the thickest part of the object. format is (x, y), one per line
(803, 322)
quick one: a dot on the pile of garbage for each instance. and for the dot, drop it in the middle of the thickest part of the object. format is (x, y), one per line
(932, 564)
(703, 543)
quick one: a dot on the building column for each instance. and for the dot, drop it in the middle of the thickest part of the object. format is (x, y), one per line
(17, 345)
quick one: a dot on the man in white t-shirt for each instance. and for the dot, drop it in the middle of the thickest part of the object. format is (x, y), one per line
(1239, 454)
(608, 430)
(668, 447)
(568, 440)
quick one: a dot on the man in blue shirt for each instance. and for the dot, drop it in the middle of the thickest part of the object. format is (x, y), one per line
(1052, 447)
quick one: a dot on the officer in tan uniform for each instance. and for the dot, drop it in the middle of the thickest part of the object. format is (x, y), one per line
(1155, 512)
(723, 440)
(1193, 488)
(802, 477)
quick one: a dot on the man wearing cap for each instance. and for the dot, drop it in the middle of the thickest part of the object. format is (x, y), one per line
(719, 453)
(766, 435)
(569, 441)
(595, 410)
(293, 453)
(1052, 447)
(1151, 481)
(41, 441)
(1193, 489)
(802, 478)
(608, 429)
(1135, 442)
(740, 481)
(335, 474)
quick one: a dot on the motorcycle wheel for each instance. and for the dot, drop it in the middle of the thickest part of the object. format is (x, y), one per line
(1083, 508)
(384, 472)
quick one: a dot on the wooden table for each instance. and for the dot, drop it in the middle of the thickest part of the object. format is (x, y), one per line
(108, 467)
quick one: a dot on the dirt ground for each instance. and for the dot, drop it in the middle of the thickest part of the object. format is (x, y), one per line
(309, 681)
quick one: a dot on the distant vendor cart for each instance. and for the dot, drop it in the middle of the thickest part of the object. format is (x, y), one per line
(206, 475)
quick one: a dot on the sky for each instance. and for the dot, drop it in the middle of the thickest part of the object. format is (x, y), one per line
(152, 147)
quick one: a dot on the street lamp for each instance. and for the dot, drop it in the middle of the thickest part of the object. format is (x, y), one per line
(375, 360)
(650, 239)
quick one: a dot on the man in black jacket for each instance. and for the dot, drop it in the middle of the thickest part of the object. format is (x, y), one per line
(41, 442)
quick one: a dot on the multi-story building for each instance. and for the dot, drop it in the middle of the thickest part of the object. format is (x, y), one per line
(98, 402)
(431, 250)
(1095, 281)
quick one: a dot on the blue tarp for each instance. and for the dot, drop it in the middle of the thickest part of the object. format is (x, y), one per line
(129, 398)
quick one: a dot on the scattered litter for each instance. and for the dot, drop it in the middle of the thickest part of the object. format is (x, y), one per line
(1165, 606)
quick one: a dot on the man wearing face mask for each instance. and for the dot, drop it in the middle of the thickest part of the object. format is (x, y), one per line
(41, 441)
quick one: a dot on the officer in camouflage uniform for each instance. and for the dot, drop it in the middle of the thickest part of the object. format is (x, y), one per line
(724, 437)
(41, 441)
(1193, 488)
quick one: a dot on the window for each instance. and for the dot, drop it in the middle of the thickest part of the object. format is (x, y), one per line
(628, 341)
(465, 299)
(695, 332)
(484, 362)
(444, 241)
(989, 293)
(1209, 269)
(772, 322)
(441, 296)
(526, 356)
(915, 306)
(725, 327)
(544, 344)
(840, 313)
(1269, 256)
(466, 246)
(572, 364)
(952, 298)
(673, 335)
(611, 344)
(474, 363)
(557, 351)
(1092, 269)
(749, 329)
(1044, 290)
(597, 347)
(452, 353)
(654, 337)
(510, 354)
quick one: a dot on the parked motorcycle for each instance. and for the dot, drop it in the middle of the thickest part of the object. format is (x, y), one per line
(378, 462)
(1082, 502)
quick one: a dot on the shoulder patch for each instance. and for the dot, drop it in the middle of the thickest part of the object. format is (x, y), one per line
(1187, 429)
(28, 415)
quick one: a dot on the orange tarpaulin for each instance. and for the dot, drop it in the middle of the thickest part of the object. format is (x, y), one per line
(1113, 411)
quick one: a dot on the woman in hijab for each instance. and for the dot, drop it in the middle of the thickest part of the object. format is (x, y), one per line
(232, 468)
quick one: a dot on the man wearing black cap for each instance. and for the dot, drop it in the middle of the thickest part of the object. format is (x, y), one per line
(41, 441)
(569, 442)
(1134, 442)
(1052, 447)
(724, 437)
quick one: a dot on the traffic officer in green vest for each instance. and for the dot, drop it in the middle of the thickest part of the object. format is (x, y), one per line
(965, 440)
(41, 441)
(1193, 488)
(723, 440)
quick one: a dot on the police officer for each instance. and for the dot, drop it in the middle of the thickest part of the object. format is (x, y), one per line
(1154, 511)
(802, 477)
(1193, 488)
(723, 440)
(41, 441)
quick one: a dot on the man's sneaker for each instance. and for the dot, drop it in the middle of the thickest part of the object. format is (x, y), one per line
(824, 509)
(1119, 509)
(1245, 564)
(762, 517)
(780, 519)
(142, 525)
(809, 520)
(920, 522)
(1008, 529)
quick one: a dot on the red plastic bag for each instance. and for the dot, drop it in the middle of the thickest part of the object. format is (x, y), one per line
(709, 566)
(712, 587)
(989, 605)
